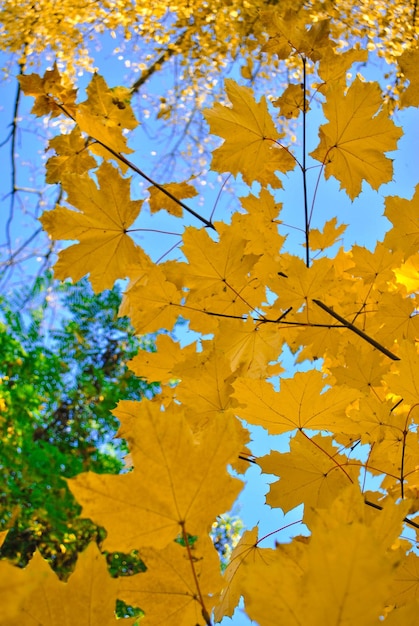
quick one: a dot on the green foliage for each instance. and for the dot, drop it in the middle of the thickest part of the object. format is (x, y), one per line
(63, 370)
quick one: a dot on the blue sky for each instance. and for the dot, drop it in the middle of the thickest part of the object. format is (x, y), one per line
(364, 216)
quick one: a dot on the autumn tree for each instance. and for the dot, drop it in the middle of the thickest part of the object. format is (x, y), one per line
(348, 314)
(174, 59)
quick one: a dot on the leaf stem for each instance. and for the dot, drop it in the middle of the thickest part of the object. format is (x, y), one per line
(205, 613)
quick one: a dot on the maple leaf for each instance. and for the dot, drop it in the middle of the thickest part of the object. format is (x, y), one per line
(250, 138)
(291, 103)
(353, 143)
(297, 285)
(334, 66)
(300, 403)
(405, 586)
(104, 115)
(158, 200)
(101, 223)
(218, 274)
(166, 493)
(348, 542)
(403, 214)
(271, 584)
(289, 34)
(400, 315)
(327, 237)
(259, 225)
(51, 95)
(403, 380)
(87, 599)
(408, 274)
(72, 156)
(212, 394)
(151, 301)
(246, 549)
(149, 365)
(312, 472)
(363, 369)
(176, 584)
(250, 346)
(15, 586)
(408, 63)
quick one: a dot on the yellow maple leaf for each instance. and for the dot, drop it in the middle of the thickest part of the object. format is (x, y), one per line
(100, 224)
(15, 586)
(300, 403)
(72, 156)
(375, 266)
(250, 346)
(403, 214)
(218, 273)
(405, 586)
(408, 274)
(403, 380)
(291, 101)
(363, 369)
(176, 583)
(213, 393)
(150, 365)
(271, 584)
(151, 301)
(250, 145)
(322, 239)
(87, 599)
(348, 549)
(259, 225)
(297, 285)
(289, 34)
(159, 201)
(166, 493)
(406, 615)
(245, 549)
(104, 116)
(399, 315)
(359, 132)
(333, 65)
(312, 473)
(51, 95)
(408, 63)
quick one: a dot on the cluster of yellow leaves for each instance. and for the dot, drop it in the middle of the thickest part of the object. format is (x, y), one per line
(352, 315)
